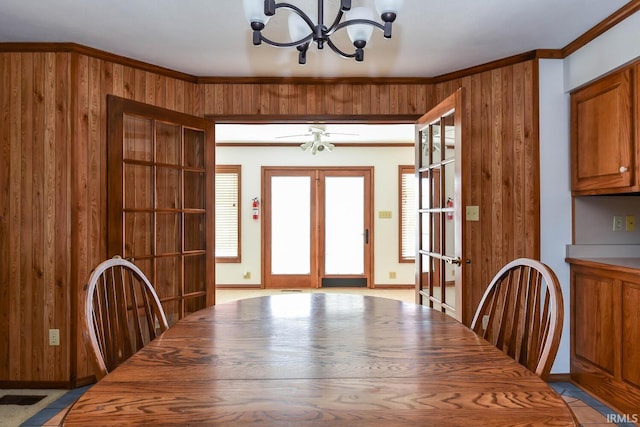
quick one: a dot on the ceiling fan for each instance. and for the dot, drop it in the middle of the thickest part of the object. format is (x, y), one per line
(317, 132)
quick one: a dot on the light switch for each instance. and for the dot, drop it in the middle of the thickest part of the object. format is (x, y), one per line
(384, 214)
(473, 213)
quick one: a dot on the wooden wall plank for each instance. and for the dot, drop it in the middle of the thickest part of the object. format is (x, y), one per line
(5, 224)
(61, 313)
(532, 160)
(15, 223)
(508, 214)
(28, 238)
(52, 276)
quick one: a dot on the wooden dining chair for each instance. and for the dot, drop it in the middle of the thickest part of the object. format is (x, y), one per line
(521, 313)
(122, 313)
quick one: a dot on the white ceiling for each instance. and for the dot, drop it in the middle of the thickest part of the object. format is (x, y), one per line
(299, 133)
(212, 38)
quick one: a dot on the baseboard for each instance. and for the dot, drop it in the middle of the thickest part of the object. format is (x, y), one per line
(36, 384)
(228, 286)
(254, 287)
(386, 286)
(559, 378)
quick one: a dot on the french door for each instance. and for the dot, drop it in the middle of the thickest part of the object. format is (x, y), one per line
(160, 199)
(317, 227)
(439, 240)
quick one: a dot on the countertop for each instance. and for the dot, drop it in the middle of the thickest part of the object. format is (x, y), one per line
(618, 257)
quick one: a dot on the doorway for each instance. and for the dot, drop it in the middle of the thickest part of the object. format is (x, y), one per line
(317, 227)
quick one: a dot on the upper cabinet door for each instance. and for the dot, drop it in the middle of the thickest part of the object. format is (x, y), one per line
(602, 140)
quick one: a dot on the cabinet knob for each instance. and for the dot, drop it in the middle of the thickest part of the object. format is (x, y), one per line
(623, 169)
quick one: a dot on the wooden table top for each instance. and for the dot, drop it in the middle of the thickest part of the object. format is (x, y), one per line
(314, 359)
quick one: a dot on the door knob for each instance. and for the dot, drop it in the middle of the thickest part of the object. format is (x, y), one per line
(623, 169)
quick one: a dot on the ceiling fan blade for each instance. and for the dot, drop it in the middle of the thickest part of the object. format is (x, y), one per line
(294, 136)
(340, 133)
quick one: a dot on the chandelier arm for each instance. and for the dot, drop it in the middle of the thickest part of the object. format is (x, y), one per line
(357, 21)
(335, 24)
(301, 14)
(297, 10)
(340, 52)
(287, 44)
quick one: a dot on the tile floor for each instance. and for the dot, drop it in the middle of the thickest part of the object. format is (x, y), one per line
(589, 411)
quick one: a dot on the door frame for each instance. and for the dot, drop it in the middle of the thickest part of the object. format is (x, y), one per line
(425, 294)
(317, 222)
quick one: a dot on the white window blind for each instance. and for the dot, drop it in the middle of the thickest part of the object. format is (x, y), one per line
(227, 212)
(408, 213)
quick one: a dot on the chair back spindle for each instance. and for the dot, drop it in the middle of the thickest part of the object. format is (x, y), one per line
(122, 313)
(521, 313)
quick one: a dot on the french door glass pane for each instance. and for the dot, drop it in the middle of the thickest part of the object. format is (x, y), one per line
(344, 225)
(291, 225)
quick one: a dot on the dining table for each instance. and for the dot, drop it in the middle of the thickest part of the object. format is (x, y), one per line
(320, 359)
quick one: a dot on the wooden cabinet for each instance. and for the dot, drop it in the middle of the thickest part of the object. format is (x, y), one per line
(605, 332)
(603, 149)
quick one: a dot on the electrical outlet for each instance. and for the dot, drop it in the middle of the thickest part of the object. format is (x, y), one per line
(392, 275)
(54, 336)
(247, 275)
(630, 223)
(617, 223)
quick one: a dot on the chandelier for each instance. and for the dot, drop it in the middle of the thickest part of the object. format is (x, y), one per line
(306, 28)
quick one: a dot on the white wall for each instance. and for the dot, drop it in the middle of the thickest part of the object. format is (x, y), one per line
(385, 161)
(609, 51)
(555, 189)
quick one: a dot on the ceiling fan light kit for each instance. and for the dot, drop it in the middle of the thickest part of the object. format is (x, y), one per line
(306, 28)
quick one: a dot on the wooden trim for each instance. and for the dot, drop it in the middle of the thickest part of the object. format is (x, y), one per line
(511, 60)
(402, 170)
(560, 378)
(317, 80)
(35, 384)
(237, 169)
(254, 119)
(297, 144)
(611, 21)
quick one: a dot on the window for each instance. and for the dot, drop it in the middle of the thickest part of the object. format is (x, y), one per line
(407, 195)
(228, 213)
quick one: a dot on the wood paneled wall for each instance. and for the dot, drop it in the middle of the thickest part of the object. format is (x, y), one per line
(502, 169)
(35, 214)
(53, 199)
(53, 172)
(300, 99)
